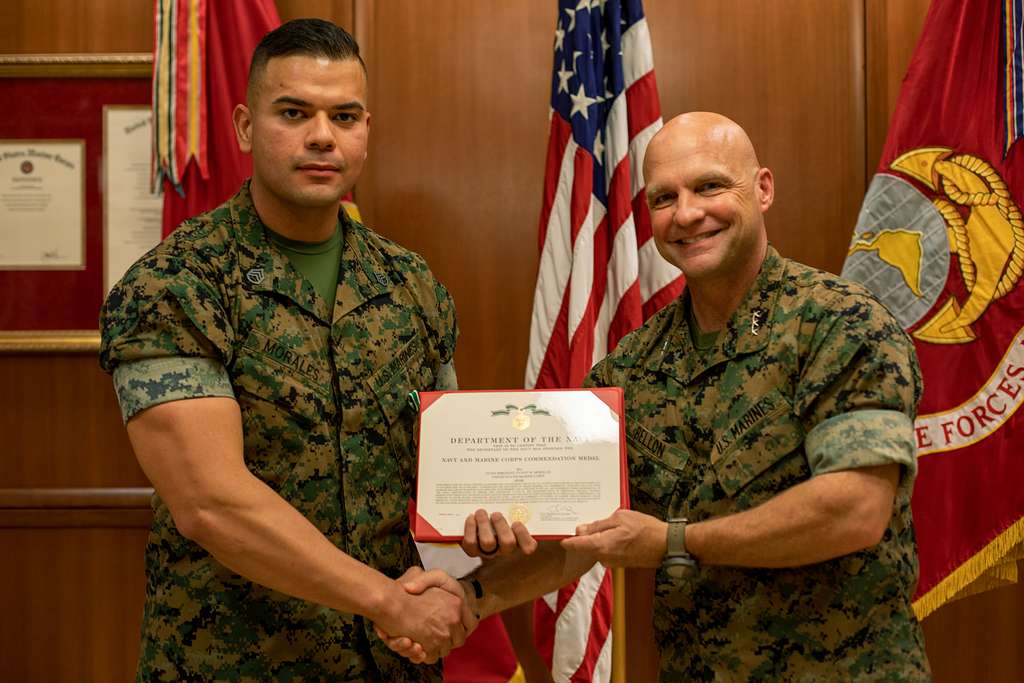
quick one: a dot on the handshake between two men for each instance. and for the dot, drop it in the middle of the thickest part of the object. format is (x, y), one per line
(516, 568)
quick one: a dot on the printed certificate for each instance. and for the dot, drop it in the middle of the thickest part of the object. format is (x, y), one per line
(552, 459)
(132, 212)
(42, 204)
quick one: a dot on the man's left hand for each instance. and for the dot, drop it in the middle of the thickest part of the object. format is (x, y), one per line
(486, 535)
(626, 539)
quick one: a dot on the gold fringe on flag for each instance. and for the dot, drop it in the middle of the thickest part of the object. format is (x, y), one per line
(994, 566)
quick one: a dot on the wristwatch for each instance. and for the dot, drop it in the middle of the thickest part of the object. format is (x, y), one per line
(678, 563)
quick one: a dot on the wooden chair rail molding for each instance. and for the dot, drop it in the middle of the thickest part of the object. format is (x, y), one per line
(75, 507)
(61, 341)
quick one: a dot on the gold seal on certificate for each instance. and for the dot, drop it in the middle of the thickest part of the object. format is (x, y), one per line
(551, 459)
(518, 513)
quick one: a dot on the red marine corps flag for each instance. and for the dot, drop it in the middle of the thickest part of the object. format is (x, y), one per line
(940, 240)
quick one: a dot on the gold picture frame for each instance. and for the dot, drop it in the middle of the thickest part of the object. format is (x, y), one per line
(49, 341)
(66, 65)
(73, 65)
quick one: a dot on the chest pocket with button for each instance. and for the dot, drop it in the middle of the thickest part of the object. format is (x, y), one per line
(761, 455)
(655, 469)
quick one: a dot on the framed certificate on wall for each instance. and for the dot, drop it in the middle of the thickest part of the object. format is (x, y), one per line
(52, 247)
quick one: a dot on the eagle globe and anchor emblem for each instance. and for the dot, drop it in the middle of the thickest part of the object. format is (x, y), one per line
(520, 416)
(971, 215)
(901, 251)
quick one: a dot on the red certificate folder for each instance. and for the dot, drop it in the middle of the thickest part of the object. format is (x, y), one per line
(531, 429)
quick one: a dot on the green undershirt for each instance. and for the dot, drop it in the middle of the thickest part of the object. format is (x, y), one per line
(701, 340)
(317, 261)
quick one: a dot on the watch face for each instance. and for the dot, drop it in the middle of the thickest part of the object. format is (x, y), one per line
(681, 571)
(680, 567)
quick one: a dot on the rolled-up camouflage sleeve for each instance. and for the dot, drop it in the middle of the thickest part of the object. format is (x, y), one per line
(165, 334)
(857, 396)
(142, 384)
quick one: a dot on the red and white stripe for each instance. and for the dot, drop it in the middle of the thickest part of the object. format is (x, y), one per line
(600, 274)
(600, 277)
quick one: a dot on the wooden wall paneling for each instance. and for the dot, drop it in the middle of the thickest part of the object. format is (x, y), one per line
(893, 27)
(459, 98)
(31, 26)
(791, 73)
(338, 11)
(61, 424)
(642, 655)
(71, 601)
(978, 638)
(72, 593)
(34, 26)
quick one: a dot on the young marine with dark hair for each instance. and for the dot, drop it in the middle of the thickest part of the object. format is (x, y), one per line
(263, 356)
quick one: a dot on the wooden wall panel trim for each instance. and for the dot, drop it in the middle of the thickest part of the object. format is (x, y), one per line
(126, 497)
(36, 508)
(65, 341)
(115, 65)
(86, 518)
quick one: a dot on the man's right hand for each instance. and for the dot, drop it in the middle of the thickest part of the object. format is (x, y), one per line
(432, 619)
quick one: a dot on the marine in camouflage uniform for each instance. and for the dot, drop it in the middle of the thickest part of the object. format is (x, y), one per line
(811, 375)
(771, 406)
(215, 310)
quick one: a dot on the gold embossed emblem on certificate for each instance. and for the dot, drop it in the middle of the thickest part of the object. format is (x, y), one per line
(520, 416)
(519, 513)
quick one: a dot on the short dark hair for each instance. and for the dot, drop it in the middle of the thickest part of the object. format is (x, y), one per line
(310, 37)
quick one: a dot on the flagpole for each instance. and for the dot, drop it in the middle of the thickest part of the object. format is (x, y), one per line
(619, 625)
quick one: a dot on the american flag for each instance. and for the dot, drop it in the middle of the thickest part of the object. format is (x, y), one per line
(600, 274)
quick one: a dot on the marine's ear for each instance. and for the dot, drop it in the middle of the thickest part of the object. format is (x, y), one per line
(764, 187)
(242, 119)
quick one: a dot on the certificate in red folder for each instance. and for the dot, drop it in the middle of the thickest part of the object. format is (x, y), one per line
(552, 459)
